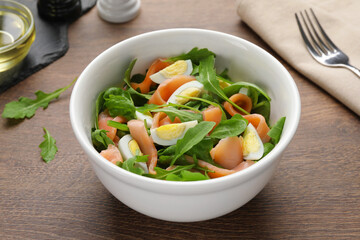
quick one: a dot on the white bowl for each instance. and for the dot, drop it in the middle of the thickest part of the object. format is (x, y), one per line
(185, 201)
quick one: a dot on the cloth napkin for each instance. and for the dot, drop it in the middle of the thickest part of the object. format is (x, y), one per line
(274, 21)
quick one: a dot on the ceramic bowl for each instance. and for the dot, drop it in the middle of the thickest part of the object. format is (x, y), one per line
(185, 201)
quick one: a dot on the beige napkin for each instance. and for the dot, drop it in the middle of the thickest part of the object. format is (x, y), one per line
(274, 22)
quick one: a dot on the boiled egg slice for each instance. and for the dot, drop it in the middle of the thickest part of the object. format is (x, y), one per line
(180, 67)
(145, 116)
(169, 134)
(190, 89)
(253, 148)
(129, 148)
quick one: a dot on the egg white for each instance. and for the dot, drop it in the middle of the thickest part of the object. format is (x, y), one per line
(126, 152)
(193, 84)
(251, 136)
(159, 77)
(142, 117)
(169, 142)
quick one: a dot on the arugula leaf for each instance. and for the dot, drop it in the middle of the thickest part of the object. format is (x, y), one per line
(184, 116)
(225, 77)
(263, 108)
(195, 55)
(148, 108)
(48, 147)
(207, 77)
(186, 175)
(100, 140)
(120, 126)
(240, 117)
(223, 116)
(120, 106)
(202, 150)
(276, 130)
(162, 173)
(235, 88)
(130, 164)
(98, 107)
(192, 137)
(26, 107)
(267, 148)
(229, 128)
(127, 77)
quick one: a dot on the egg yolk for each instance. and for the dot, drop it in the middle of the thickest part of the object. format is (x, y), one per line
(189, 92)
(177, 68)
(134, 148)
(251, 143)
(170, 131)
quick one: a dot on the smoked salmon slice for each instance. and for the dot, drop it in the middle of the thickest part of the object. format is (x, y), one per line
(145, 142)
(259, 123)
(160, 118)
(112, 154)
(168, 87)
(228, 152)
(242, 101)
(156, 66)
(212, 114)
(104, 117)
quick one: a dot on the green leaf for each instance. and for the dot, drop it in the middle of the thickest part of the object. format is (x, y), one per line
(263, 108)
(186, 175)
(229, 128)
(192, 137)
(195, 55)
(202, 150)
(130, 164)
(48, 147)
(148, 108)
(99, 107)
(207, 77)
(127, 78)
(276, 130)
(235, 88)
(225, 77)
(223, 116)
(100, 140)
(120, 106)
(184, 116)
(26, 107)
(162, 173)
(120, 126)
(267, 148)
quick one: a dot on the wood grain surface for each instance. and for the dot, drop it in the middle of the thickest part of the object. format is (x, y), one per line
(315, 193)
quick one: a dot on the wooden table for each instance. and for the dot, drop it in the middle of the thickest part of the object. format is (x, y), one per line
(315, 193)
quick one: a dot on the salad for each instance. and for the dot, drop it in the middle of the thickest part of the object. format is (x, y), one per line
(183, 121)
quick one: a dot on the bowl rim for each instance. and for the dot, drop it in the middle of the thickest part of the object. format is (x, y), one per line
(186, 187)
(29, 30)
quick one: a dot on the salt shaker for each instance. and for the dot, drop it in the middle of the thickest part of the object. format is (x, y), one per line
(118, 11)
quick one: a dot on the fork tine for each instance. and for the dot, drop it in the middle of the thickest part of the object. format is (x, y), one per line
(322, 45)
(306, 40)
(330, 43)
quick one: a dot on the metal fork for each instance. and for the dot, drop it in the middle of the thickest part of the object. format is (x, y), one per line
(321, 47)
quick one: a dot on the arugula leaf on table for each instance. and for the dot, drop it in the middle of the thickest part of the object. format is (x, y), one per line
(195, 55)
(276, 130)
(100, 140)
(229, 128)
(186, 175)
(184, 116)
(48, 147)
(26, 107)
(207, 77)
(192, 137)
(130, 164)
(162, 173)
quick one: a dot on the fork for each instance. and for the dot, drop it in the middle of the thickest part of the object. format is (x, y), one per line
(321, 48)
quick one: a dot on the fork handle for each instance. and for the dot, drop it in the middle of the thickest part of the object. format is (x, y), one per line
(353, 69)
